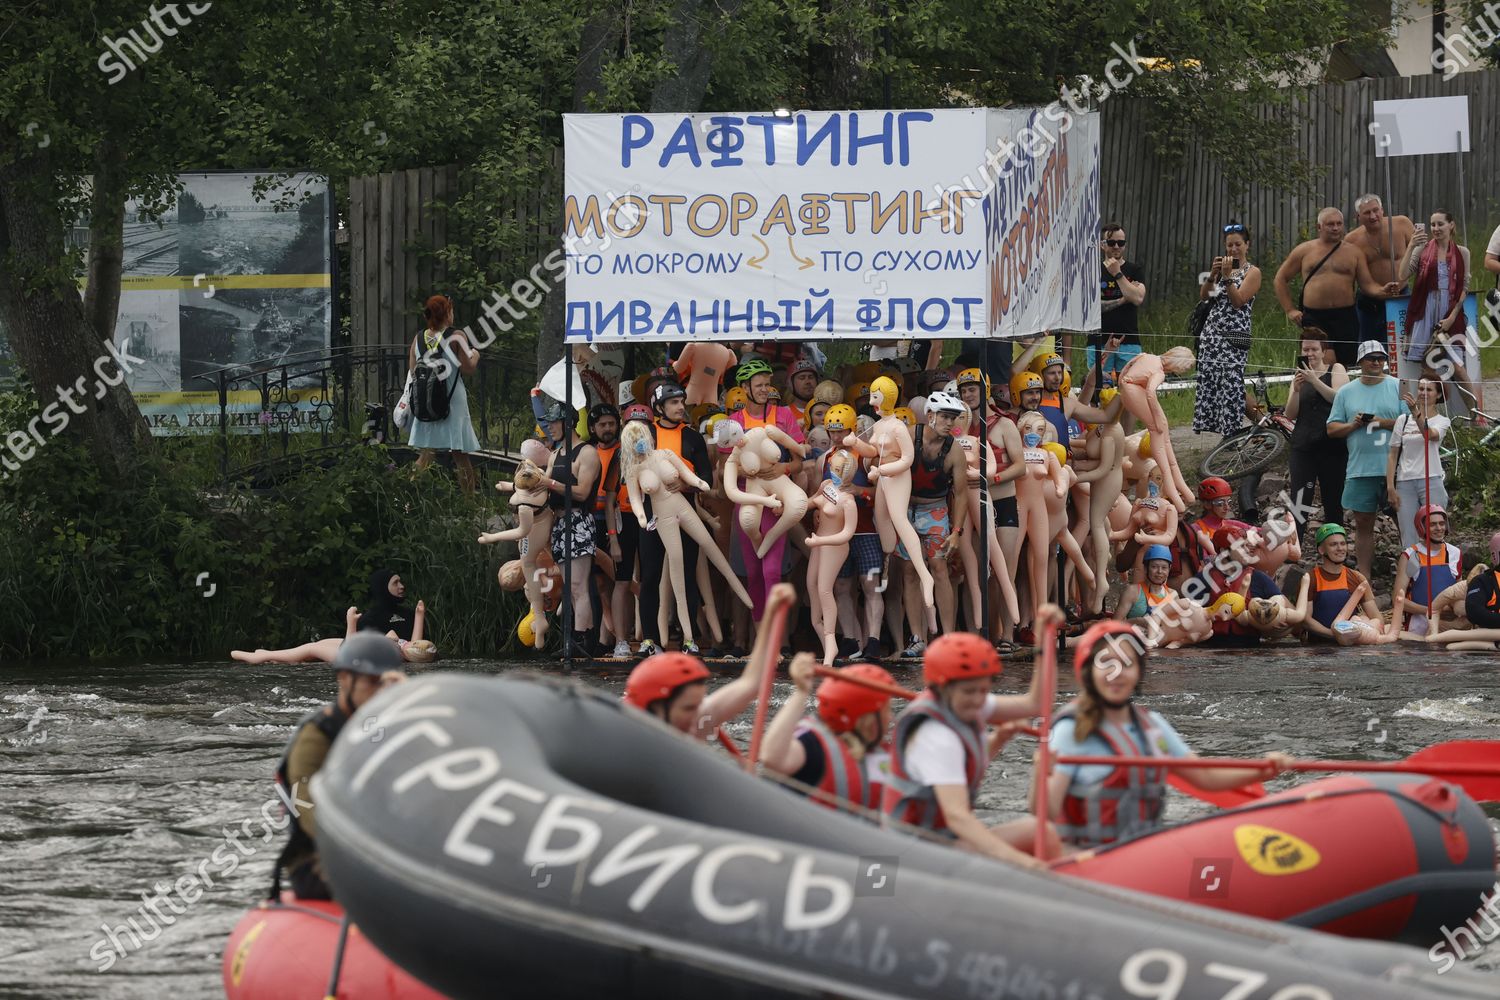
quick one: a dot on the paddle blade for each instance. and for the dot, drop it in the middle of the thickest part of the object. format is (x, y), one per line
(1470, 754)
(1231, 798)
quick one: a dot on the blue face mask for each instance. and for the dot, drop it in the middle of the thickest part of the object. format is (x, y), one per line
(1032, 440)
(1153, 490)
(642, 446)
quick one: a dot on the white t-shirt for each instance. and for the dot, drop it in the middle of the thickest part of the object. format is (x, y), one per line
(935, 755)
(1408, 438)
(1494, 247)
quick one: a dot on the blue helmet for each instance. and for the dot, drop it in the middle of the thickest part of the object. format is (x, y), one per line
(1157, 552)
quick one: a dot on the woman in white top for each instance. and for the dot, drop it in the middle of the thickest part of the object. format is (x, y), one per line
(1409, 473)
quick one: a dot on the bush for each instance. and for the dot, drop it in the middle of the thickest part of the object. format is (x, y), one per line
(95, 570)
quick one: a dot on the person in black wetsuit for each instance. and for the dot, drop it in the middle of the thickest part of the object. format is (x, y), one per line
(385, 609)
(574, 470)
(365, 663)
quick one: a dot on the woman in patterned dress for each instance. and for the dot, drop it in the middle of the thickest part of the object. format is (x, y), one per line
(1225, 343)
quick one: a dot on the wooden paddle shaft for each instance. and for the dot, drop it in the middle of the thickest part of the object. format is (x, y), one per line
(777, 625)
(890, 689)
(1260, 763)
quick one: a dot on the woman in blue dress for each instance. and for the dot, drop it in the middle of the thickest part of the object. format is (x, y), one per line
(455, 432)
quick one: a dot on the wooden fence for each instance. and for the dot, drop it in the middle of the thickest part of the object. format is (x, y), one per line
(1174, 214)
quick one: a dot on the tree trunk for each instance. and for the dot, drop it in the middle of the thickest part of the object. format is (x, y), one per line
(49, 332)
(682, 44)
(101, 301)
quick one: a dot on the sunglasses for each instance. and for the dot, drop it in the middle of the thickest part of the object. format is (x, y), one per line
(1114, 243)
(1234, 227)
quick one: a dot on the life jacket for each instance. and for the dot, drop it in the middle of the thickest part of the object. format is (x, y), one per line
(1128, 802)
(607, 456)
(909, 801)
(1051, 407)
(843, 776)
(1482, 600)
(1329, 596)
(1432, 573)
(927, 482)
(330, 724)
(669, 438)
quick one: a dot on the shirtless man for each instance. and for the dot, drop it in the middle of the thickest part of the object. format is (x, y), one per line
(1373, 237)
(1330, 268)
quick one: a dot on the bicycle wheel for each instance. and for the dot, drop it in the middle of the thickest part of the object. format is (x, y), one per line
(1245, 454)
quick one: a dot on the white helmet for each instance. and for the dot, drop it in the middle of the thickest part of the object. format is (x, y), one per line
(943, 402)
(952, 387)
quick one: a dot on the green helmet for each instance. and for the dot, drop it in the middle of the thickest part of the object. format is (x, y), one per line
(1328, 531)
(749, 369)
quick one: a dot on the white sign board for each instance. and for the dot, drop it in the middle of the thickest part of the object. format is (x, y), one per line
(1421, 125)
(815, 226)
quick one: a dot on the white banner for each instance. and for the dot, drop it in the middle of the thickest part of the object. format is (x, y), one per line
(1420, 125)
(1041, 221)
(814, 226)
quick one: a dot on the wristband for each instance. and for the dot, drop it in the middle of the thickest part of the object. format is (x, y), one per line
(611, 531)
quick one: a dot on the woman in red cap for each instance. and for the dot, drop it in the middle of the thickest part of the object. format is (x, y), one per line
(939, 752)
(674, 686)
(836, 751)
(1096, 804)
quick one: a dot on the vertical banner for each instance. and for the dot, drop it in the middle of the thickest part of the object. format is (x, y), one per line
(815, 226)
(1041, 221)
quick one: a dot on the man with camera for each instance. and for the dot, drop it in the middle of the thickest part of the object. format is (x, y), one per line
(1364, 413)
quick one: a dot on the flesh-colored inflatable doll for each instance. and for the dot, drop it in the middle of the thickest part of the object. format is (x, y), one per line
(533, 528)
(970, 445)
(890, 474)
(1043, 476)
(703, 365)
(829, 546)
(754, 457)
(660, 475)
(1139, 381)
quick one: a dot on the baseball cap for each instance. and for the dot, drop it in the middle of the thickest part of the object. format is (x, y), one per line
(1370, 347)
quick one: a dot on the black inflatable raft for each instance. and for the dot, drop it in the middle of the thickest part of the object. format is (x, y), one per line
(530, 837)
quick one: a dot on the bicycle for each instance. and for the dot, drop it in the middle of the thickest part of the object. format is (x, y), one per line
(1256, 447)
(1449, 451)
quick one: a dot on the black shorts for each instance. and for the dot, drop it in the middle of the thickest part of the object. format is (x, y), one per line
(1006, 513)
(1342, 327)
(630, 533)
(1371, 317)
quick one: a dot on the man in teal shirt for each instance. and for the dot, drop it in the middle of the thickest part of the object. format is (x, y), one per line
(1364, 413)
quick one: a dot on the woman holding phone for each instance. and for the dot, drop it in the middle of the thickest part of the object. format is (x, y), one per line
(1231, 285)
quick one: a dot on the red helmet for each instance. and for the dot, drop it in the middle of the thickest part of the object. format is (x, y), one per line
(1227, 534)
(1214, 488)
(638, 411)
(842, 703)
(1096, 634)
(1419, 519)
(959, 656)
(657, 677)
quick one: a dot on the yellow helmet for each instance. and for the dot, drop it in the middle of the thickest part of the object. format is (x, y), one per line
(889, 393)
(840, 417)
(828, 391)
(1045, 361)
(973, 376)
(1058, 450)
(1022, 381)
(1067, 382)
(1144, 449)
(857, 391)
(907, 414)
(736, 399)
(524, 630)
(706, 427)
(1107, 395)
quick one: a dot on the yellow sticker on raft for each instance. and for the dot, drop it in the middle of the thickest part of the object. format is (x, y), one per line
(1274, 852)
(242, 953)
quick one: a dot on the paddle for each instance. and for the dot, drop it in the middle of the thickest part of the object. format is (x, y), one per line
(890, 689)
(338, 960)
(1048, 668)
(1474, 765)
(777, 625)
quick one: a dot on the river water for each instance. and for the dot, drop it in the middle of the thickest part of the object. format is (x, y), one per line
(118, 778)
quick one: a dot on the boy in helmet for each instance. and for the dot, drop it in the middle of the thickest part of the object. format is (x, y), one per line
(939, 752)
(836, 750)
(365, 663)
(1423, 571)
(1333, 583)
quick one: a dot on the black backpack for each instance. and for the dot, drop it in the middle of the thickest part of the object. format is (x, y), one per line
(430, 395)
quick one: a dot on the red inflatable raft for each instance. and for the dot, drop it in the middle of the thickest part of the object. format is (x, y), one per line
(286, 949)
(1392, 857)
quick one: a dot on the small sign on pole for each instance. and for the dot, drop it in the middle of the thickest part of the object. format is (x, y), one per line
(1421, 125)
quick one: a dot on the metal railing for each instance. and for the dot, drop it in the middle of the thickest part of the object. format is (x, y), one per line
(346, 395)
